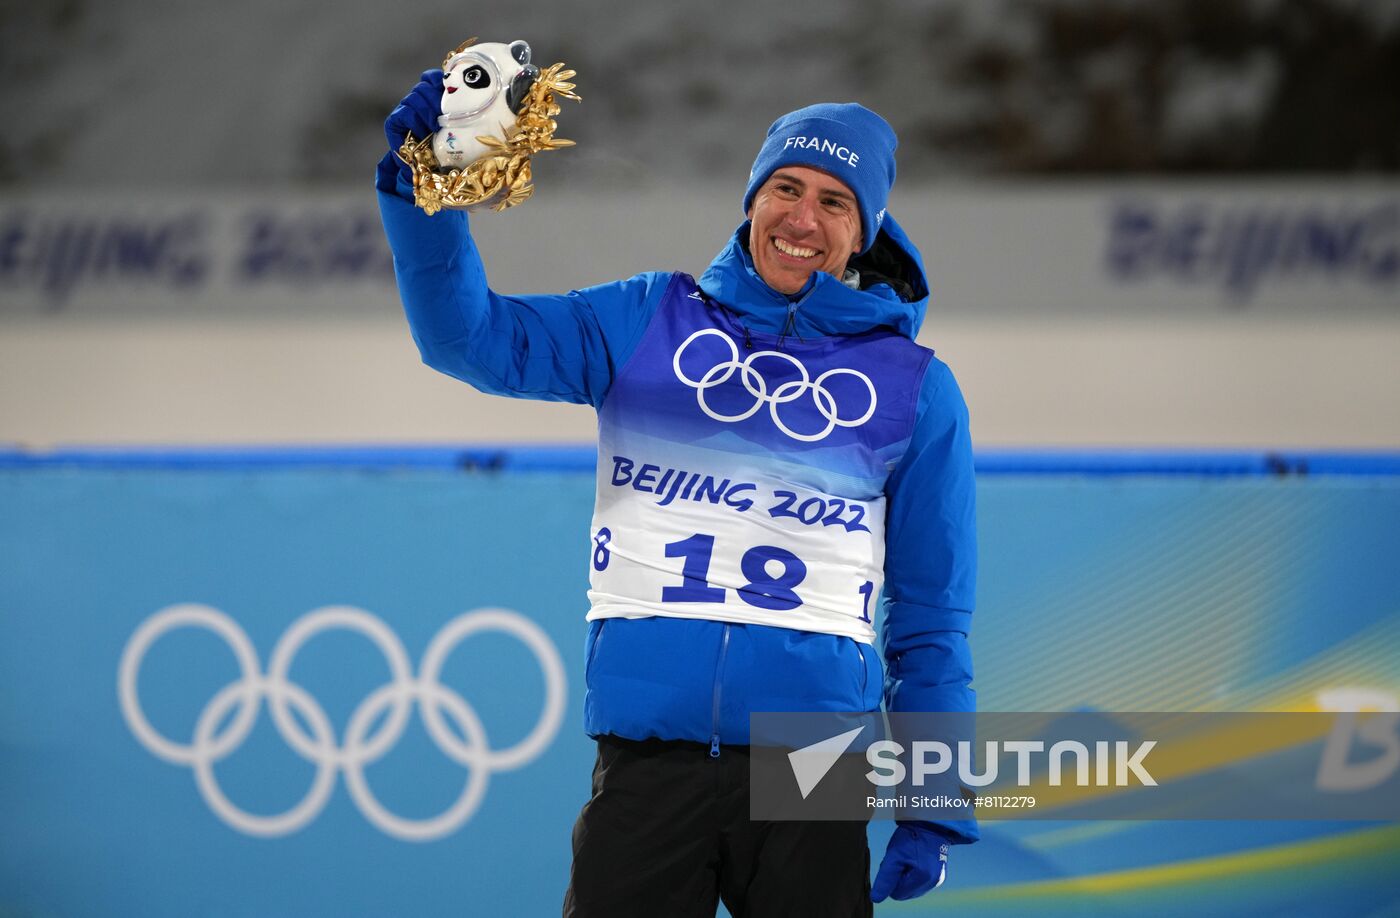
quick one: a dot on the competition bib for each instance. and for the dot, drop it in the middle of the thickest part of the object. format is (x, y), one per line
(741, 478)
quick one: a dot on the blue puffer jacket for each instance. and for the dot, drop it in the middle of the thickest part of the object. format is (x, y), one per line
(696, 679)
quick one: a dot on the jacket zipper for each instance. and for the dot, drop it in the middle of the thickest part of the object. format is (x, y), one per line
(719, 674)
(789, 325)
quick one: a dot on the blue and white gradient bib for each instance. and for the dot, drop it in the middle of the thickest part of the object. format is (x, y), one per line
(741, 475)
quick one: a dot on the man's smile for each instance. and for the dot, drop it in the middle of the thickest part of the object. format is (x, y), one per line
(791, 250)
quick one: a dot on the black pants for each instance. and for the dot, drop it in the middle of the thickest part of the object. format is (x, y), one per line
(667, 834)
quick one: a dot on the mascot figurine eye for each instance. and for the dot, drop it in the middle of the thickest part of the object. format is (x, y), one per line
(483, 90)
(476, 78)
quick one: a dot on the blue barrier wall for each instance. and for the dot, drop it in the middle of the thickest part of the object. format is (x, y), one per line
(214, 669)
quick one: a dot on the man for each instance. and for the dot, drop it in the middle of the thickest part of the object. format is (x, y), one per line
(773, 448)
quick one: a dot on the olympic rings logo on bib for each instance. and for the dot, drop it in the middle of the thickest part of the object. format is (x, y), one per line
(757, 386)
(361, 745)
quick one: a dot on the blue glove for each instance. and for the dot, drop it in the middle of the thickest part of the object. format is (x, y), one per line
(418, 112)
(916, 860)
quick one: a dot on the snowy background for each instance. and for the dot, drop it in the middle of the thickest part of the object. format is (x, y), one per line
(266, 93)
(190, 252)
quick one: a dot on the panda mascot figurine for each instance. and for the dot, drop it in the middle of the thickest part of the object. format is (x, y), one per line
(483, 90)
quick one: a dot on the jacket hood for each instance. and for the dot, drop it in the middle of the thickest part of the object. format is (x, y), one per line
(893, 294)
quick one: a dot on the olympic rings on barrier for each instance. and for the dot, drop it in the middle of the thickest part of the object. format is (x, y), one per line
(757, 386)
(360, 747)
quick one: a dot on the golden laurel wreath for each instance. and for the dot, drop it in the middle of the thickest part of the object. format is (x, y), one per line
(505, 172)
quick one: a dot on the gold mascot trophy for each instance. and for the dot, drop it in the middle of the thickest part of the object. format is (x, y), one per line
(497, 111)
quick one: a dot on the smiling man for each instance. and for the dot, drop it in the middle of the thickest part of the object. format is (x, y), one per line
(776, 457)
(802, 220)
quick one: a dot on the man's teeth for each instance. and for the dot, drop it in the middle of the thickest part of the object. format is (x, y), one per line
(796, 251)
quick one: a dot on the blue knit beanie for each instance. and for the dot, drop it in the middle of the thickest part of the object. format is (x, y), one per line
(847, 141)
